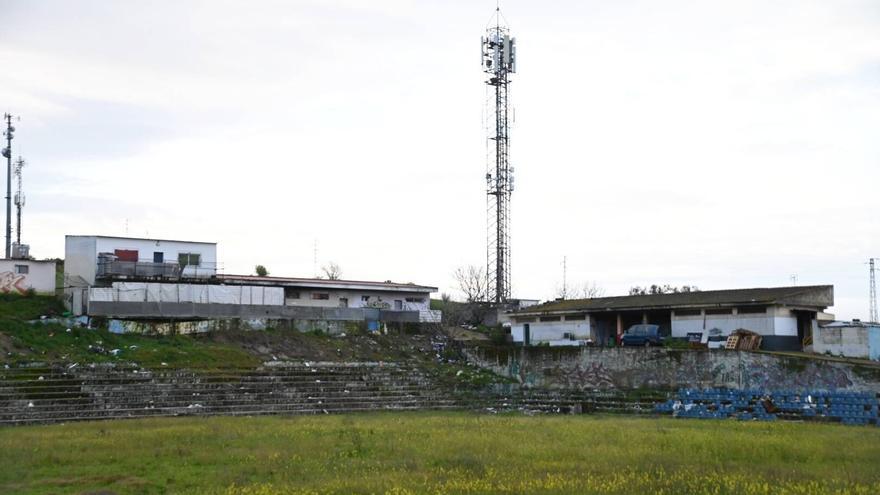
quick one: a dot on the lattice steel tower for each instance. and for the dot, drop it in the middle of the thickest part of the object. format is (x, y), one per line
(872, 315)
(499, 62)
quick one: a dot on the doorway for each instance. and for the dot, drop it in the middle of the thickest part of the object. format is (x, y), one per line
(527, 337)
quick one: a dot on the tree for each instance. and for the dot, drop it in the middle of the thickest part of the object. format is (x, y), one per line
(261, 271)
(588, 290)
(661, 289)
(472, 283)
(332, 271)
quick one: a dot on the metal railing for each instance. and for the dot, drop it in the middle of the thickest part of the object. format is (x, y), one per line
(151, 269)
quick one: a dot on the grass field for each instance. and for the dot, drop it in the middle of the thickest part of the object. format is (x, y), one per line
(439, 453)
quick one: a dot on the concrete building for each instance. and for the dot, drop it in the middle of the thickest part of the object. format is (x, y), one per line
(784, 316)
(855, 339)
(157, 279)
(17, 276)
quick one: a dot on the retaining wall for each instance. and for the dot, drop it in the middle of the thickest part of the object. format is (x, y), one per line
(631, 368)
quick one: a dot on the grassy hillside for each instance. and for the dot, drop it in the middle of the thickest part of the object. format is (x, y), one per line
(439, 453)
(24, 337)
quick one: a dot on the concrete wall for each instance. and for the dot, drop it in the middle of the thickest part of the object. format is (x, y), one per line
(849, 341)
(169, 310)
(776, 321)
(80, 258)
(552, 332)
(39, 276)
(377, 299)
(584, 368)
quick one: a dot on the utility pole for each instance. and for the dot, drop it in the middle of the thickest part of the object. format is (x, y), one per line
(19, 200)
(7, 152)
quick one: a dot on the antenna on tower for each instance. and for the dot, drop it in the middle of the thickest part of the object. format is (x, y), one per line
(19, 199)
(872, 293)
(498, 58)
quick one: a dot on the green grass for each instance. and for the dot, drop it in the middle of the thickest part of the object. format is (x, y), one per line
(25, 342)
(439, 453)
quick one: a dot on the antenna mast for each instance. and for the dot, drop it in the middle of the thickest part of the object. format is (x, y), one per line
(19, 199)
(498, 52)
(7, 153)
(872, 296)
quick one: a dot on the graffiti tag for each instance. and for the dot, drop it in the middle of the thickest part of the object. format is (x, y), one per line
(10, 282)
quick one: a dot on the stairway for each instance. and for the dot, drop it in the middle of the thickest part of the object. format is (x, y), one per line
(58, 394)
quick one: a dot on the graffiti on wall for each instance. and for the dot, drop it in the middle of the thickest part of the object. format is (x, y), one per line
(11, 282)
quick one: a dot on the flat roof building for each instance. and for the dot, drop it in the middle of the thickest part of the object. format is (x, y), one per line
(784, 316)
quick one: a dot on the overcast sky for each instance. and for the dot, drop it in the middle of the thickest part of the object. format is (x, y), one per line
(721, 144)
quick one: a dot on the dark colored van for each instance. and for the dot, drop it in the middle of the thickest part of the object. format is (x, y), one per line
(641, 335)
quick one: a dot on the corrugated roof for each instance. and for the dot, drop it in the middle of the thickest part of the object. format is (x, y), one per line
(140, 238)
(813, 295)
(323, 282)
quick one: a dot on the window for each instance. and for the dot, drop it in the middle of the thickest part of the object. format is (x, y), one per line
(551, 318)
(189, 259)
(687, 312)
(398, 304)
(320, 296)
(524, 320)
(719, 311)
(22, 269)
(752, 310)
(365, 298)
(343, 302)
(415, 299)
(158, 257)
(575, 317)
(291, 293)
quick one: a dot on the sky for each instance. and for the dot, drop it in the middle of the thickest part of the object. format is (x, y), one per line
(722, 144)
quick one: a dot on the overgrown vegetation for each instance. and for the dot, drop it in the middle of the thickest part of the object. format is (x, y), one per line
(439, 453)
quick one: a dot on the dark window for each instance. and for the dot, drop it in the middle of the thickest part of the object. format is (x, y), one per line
(551, 318)
(321, 296)
(719, 311)
(291, 293)
(158, 257)
(415, 299)
(752, 310)
(189, 259)
(575, 317)
(687, 312)
(525, 320)
(365, 298)
(22, 269)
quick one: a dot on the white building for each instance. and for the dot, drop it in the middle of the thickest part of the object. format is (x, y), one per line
(136, 278)
(17, 276)
(786, 317)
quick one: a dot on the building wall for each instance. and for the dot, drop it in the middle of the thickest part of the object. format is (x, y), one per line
(80, 258)
(40, 276)
(849, 341)
(377, 298)
(81, 252)
(551, 332)
(776, 321)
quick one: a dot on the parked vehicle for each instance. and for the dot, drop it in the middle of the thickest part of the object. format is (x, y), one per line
(641, 335)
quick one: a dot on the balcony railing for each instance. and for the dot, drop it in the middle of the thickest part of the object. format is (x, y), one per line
(151, 269)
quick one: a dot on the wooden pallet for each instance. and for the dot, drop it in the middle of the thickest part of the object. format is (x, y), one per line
(731, 342)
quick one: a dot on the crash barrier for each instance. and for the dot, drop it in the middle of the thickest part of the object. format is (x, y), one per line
(852, 408)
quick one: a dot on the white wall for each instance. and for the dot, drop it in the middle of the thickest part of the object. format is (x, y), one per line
(81, 252)
(549, 331)
(842, 341)
(776, 321)
(80, 258)
(386, 299)
(40, 277)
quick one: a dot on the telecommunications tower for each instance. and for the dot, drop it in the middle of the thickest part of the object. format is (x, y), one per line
(19, 200)
(498, 53)
(872, 295)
